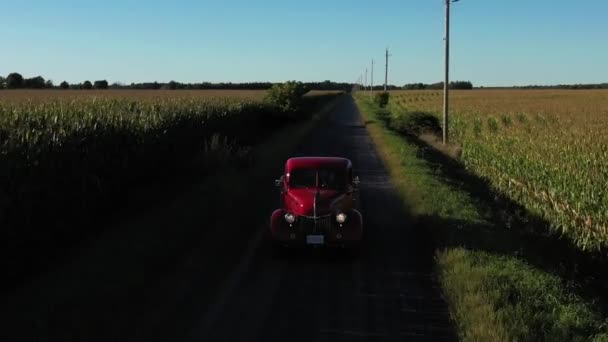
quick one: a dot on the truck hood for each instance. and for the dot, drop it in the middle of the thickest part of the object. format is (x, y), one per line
(302, 201)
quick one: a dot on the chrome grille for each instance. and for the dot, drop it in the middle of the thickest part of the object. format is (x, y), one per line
(315, 225)
(324, 223)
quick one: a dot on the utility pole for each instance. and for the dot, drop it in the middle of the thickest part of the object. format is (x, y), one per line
(386, 71)
(446, 82)
(365, 85)
(372, 84)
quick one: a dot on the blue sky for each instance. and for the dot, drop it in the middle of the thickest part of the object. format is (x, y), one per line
(493, 42)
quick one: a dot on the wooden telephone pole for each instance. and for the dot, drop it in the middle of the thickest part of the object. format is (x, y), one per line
(372, 80)
(386, 72)
(446, 82)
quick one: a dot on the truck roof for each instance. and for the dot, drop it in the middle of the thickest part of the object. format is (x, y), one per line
(316, 162)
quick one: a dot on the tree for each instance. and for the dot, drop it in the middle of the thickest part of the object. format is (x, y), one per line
(35, 82)
(172, 85)
(102, 84)
(49, 84)
(14, 81)
(465, 85)
(287, 96)
(87, 85)
(2, 82)
(64, 85)
(381, 99)
(415, 86)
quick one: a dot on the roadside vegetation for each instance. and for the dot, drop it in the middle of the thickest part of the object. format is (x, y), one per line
(546, 150)
(39, 96)
(188, 241)
(503, 279)
(65, 164)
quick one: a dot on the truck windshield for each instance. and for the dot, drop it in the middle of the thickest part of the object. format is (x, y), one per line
(318, 178)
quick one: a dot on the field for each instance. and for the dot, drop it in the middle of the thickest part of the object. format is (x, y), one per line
(119, 280)
(546, 149)
(68, 158)
(503, 277)
(37, 96)
(519, 162)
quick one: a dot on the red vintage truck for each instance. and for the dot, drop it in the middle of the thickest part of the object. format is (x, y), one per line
(318, 204)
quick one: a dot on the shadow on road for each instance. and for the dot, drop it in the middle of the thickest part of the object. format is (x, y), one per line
(387, 292)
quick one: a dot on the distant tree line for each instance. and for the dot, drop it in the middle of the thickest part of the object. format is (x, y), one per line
(565, 86)
(201, 86)
(381, 87)
(464, 85)
(468, 85)
(325, 85)
(17, 81)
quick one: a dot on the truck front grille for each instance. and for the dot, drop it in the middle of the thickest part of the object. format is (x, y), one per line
(311, 225)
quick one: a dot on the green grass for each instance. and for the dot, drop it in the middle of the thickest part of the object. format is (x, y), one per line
(496, 294)
(502, 298)
(417, 179)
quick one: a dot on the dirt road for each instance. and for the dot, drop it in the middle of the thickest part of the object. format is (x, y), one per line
(387, 293)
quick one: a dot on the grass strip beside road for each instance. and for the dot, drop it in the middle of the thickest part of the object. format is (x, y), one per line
(494, 294)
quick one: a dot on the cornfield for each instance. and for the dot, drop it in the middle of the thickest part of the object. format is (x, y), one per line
(50, 95)
(546, 149)
(65, 161)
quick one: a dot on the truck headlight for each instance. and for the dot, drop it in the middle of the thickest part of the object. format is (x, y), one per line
(290, 218)
(341, 218)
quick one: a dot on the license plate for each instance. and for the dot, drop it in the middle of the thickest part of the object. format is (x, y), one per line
(315, 239)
